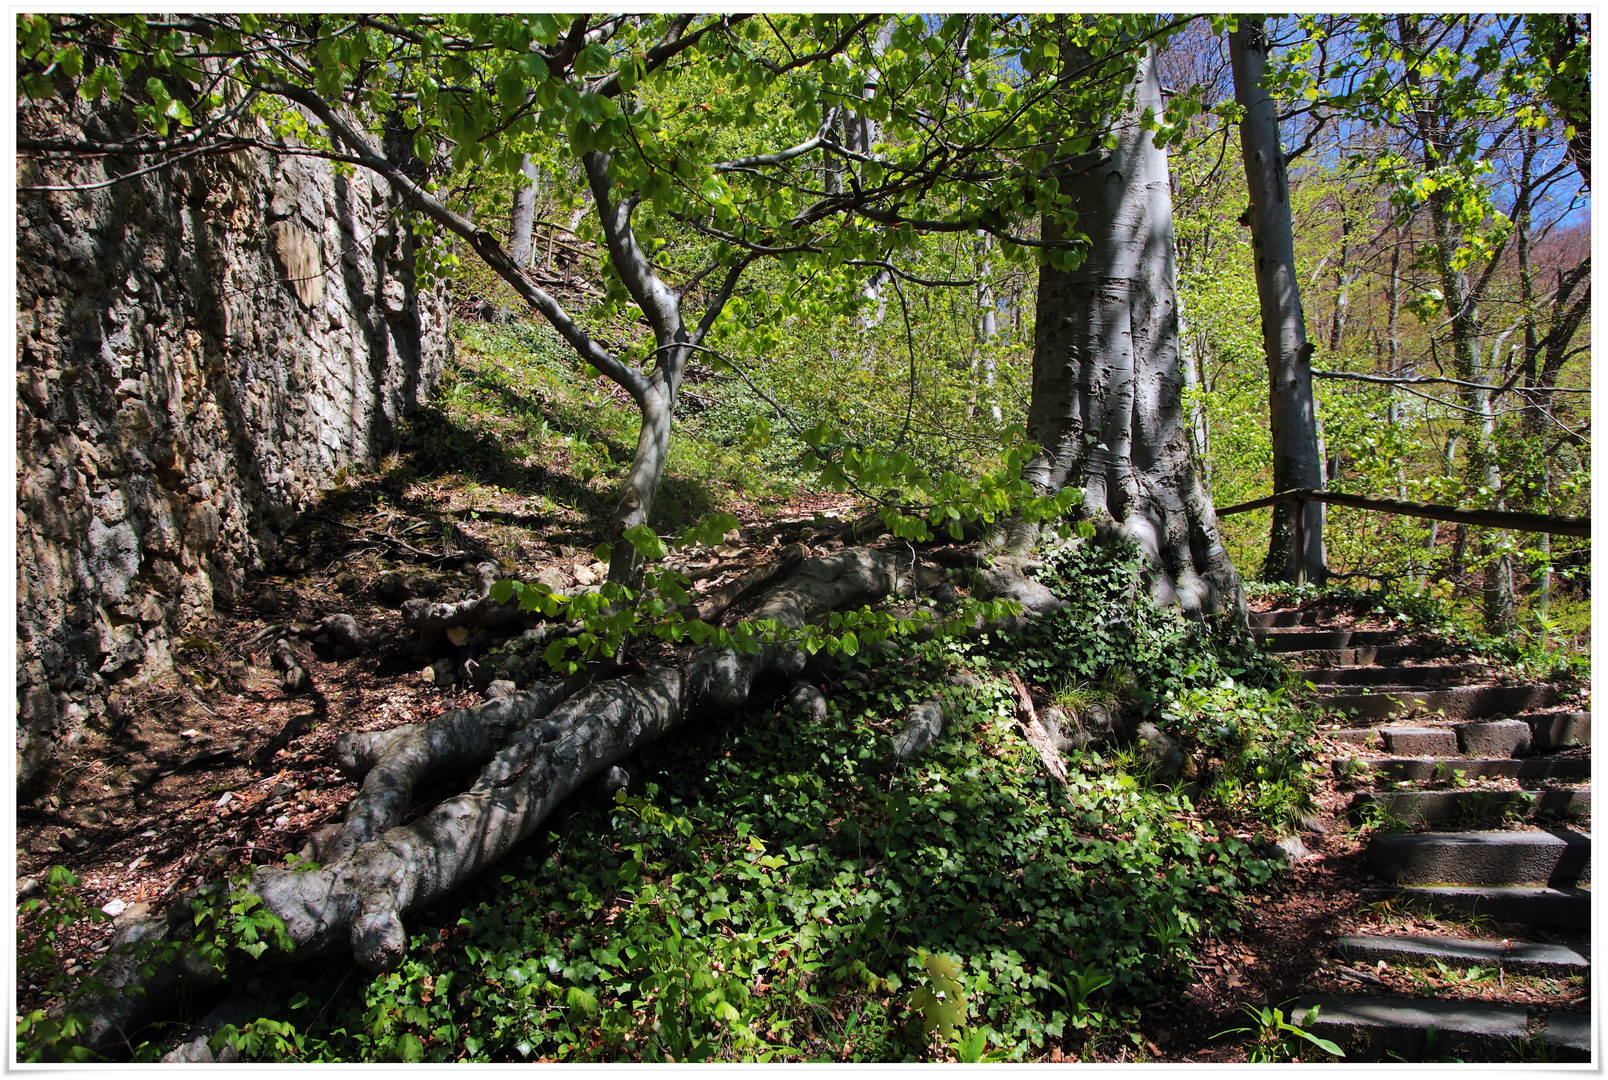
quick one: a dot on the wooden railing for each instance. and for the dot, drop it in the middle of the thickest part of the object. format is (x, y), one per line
(1559, 525)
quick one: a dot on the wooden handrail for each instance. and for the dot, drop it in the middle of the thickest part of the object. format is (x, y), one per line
(1557, 524)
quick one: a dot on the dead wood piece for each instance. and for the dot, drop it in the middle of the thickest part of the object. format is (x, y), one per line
(296, 679)
(717, 601)
(1037, 737)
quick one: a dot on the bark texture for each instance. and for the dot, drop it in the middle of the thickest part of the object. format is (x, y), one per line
(1292, 414)
(1107, 406)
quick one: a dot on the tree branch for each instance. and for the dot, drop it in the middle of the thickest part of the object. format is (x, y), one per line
(484, 243)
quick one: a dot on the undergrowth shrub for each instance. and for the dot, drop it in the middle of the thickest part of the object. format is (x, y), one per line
(770, 889)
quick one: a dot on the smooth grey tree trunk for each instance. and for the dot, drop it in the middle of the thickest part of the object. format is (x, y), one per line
(523, 226)
(1107, 404)
(1292, 413)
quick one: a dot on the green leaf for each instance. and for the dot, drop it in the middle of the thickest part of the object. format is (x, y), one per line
(646, 541)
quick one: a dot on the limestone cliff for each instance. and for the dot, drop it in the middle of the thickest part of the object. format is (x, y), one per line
(199, 350)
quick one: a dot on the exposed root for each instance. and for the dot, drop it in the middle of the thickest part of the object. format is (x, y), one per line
(296, 680)
(394, 762)
(359, 897)
(717, 601)
(425, 615)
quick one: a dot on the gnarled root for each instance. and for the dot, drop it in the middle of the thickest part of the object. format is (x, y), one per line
(360, 896)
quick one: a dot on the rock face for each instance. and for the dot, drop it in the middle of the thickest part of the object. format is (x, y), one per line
(199, 350)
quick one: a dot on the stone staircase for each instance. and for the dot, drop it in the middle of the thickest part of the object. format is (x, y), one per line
(1493, 782)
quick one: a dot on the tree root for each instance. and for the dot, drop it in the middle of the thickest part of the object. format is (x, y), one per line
(425, 615)
(358, 899)
(394, 762)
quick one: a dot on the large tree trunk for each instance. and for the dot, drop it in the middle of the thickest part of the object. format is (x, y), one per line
(1107, 406)
(1292, 414)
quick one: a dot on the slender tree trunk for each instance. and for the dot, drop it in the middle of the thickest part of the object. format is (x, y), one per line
(987, 327)
(1297, 456)
(1342, 286)
(523, 225)
(1107, 405)
(1462, 307)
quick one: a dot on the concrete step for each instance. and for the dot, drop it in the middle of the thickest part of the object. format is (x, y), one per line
(1420, 741)
(1552, 909)
(1373, 1028)
(1285, 617)
(1558, 730)
(1421, 675)
(1556, 857)
(1462, 702)
(1281, 640)
(1363, 655)
(1425, 769)
(1466, 807)
(1514, 957)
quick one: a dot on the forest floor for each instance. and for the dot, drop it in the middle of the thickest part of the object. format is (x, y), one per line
(168, 796)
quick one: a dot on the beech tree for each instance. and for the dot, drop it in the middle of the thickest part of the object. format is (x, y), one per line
(1107, 407)
(1292, 414)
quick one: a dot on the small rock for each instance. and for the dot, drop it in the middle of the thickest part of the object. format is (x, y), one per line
(500, 688)
(458, 635)
(1314, 825)
(114, 908)
(346, 581)
(27, 887)
(282, 789)
(553, 580)
(443, 672)
(224, 800)
(71, 841)
(585, 576)
(1290, 850)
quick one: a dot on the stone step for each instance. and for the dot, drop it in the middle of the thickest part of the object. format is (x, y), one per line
(1362, 656)
(1422, 675)
(1515, 957)
(1552, 909)
(1558, 730)
(1465, 702)
(1281, 640)
(1374, 1028)
(1424, 769)
(1493, 738)
(1556, 857)
(1476, 807)
(1285, 617)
